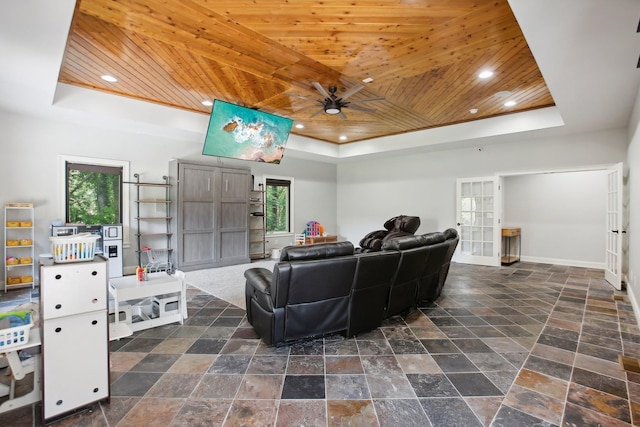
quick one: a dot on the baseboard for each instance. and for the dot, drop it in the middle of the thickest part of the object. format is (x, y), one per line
(634, 304)
(567, 262)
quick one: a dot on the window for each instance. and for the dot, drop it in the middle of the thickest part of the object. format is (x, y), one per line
(122, 165)
(93, 194)
(279, 212)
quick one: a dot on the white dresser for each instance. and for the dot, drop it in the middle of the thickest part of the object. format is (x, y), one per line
(75, 337)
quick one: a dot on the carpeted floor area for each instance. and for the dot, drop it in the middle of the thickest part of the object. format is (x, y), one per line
(226, 283)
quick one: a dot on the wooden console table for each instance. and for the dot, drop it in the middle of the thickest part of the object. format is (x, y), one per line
(509, 234)
(309, 240)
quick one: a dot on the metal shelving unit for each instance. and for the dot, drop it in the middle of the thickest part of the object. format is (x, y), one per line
(153, 223)
(257, 224)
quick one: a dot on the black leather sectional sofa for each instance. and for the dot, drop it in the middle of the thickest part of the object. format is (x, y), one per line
(327, 288)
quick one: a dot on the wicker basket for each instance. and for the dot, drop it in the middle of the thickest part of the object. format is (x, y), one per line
(75, 248)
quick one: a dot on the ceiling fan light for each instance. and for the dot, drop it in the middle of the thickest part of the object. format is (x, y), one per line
(332, 108)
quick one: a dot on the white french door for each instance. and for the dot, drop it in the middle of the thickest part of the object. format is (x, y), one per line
(613, 262)
(478, 217)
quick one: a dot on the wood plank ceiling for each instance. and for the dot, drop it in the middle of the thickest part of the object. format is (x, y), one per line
(424, 57)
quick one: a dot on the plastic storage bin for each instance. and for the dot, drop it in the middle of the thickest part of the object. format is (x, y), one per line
(78, 247)
(13, 337)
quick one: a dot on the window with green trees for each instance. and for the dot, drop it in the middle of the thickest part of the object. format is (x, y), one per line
(93, 194)
(278, 205)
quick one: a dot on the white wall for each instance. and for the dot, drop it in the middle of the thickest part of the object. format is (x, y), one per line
(369, 192)
(633, 163)
(562, 216)
(349, 199)
(29, 169)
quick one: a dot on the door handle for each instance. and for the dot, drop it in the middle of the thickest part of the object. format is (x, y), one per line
(614, 231)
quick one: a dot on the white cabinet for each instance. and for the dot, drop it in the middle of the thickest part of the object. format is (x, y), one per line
(75, 337)
(18, 245)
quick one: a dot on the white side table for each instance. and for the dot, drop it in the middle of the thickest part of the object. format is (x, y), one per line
(129, 288)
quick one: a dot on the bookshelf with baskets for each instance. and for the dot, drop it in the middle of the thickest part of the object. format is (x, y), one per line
(257, 224)
(153, 221)
(18, 247)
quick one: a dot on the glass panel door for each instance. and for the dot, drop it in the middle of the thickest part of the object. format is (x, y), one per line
(478, 221)
(613, 267)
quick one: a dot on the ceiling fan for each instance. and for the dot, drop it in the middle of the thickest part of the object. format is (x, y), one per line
(333, 104)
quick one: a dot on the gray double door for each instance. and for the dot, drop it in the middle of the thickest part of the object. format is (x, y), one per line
(211, 211)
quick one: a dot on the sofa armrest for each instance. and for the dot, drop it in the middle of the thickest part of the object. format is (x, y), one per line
(259, 286)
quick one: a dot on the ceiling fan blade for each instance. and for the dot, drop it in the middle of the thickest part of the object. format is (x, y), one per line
(352, 91)
(320, 89)
(359, 108)
(317, 112)
(357, 101)
(342, 116)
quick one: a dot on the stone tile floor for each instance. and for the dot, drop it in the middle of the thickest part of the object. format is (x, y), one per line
(529, 344)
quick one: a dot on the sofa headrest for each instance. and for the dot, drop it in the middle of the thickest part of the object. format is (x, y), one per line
(403, 223)
(316, 251)
(403, 242)
(450, 233)
(433, 238)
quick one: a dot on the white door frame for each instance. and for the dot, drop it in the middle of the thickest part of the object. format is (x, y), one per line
(478, 218)
(615, 227)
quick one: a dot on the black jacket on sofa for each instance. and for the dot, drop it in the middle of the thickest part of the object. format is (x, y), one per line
(398, 226)
(326, 288)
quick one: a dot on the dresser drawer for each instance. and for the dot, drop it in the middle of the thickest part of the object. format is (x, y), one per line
(68, 289)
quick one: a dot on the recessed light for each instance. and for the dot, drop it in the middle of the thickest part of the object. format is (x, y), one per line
(207, 103)
(108, 78)
(299, 126)
(510, 103)
(367, 80)
(485, 74)
(343, 138)
(473, 110)
(502, 94)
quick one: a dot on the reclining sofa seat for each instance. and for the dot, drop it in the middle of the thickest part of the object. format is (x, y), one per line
(306, 295)
(436, 258)
(375, 273)
(402, 225)
(452, 239)
(413, 258)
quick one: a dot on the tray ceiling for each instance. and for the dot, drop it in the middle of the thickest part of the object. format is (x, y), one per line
(424, 57)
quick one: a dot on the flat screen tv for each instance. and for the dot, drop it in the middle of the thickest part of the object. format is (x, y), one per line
(242, 133)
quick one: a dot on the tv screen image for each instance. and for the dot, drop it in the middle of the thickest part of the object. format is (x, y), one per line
(242, 133)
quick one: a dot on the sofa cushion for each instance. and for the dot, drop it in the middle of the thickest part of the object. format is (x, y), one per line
(316, 251)
(403, 242)
(433, 238)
